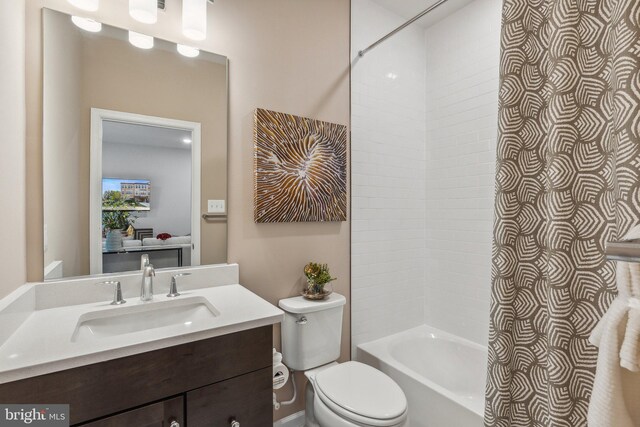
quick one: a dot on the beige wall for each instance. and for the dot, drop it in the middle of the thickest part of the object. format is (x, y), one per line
(285, 55)
(12, 147)
(63, 200)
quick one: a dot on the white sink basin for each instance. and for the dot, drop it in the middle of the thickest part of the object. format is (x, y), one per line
(183, 314)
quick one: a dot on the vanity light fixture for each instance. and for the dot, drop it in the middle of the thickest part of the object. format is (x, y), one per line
(145, 11)
(87, 24)
(194, 19)
(88, 5)
(141, 41)
(188, 51)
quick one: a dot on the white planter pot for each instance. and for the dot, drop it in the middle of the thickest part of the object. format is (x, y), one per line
(113, 241)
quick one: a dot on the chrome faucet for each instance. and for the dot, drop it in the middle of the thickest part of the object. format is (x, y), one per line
(144, 261)
(146, 287)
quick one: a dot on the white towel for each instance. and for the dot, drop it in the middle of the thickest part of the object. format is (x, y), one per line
(615, 399)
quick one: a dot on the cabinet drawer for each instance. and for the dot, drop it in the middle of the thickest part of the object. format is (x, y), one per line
(168, 413)
(246, 399)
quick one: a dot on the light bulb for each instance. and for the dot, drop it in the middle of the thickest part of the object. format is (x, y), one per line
(89, 5)
(194, 19)
(188, 51)
(145, 11)
(142, 41)
(87, 24)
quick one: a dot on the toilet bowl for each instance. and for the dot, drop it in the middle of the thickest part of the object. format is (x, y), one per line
(349, 394)
(352, 394)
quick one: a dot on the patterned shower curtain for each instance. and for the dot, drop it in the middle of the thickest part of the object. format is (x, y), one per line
(567, 181)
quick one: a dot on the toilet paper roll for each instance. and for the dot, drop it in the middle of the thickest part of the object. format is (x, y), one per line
(280, 375)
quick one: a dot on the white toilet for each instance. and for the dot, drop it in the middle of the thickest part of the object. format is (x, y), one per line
(349, 394)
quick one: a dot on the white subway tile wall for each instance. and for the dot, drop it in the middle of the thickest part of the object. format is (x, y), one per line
(388, 176)
(424, 120)
(463, 56)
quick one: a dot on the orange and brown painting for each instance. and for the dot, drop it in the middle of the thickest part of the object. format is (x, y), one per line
(300, 169)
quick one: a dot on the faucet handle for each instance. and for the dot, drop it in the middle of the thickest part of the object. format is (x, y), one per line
(117, 295)
(173, 289)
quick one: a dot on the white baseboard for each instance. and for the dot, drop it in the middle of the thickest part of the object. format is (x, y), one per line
(293, 420)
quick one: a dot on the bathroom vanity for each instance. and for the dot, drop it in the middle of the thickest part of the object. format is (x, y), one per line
(202, 358)
(209, 382)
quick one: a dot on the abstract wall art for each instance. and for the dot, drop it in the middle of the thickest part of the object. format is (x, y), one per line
(300, 169)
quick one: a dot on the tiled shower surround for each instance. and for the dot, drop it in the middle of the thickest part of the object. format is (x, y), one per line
(388, 176)
(424, 120)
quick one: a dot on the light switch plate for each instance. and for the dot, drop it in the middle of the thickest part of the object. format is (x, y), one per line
(216, 206)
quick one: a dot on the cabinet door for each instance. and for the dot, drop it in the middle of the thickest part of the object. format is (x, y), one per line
(168, 413)
(246, 399)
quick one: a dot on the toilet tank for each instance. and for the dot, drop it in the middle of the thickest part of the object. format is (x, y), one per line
(311, 331)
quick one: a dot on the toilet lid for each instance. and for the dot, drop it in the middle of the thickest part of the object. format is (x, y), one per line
(362, 390)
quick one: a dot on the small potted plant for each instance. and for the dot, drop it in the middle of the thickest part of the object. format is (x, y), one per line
(115, 223)
(317, 277)
(116, 218)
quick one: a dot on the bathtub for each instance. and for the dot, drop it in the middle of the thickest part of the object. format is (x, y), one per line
(442, 375)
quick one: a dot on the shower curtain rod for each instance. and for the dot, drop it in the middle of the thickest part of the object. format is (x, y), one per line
(401, 27)
(625, 250)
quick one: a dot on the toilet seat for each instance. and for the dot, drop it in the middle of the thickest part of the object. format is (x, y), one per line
(362, 394)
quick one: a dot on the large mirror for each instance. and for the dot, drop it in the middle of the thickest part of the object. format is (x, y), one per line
(134, 150)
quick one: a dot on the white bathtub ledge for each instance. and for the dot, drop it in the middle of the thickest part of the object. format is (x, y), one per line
(442, 375)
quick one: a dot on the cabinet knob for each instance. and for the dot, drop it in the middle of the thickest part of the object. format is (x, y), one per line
(174, 423)
(234, 423)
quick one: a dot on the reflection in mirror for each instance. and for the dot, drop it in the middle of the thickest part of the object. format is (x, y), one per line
(134, 144)
(137, 155)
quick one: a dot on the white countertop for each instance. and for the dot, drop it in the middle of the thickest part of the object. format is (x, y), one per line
(42, 342)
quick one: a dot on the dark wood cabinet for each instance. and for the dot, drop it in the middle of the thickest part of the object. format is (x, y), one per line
(168, 413)
(216, 378)
(246, 399)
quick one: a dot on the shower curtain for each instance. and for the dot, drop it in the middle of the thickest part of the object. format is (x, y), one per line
(567, 181)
